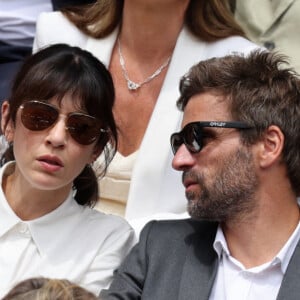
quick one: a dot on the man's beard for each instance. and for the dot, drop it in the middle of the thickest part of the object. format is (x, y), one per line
(230, 194)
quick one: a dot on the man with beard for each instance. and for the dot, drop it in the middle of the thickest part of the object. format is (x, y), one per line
(239, 153)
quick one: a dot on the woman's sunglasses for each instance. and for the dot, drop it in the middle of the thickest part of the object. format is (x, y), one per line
(192, 134)
(36, 116)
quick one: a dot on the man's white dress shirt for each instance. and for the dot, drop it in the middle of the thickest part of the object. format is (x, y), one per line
(72, 242)
(235, 282)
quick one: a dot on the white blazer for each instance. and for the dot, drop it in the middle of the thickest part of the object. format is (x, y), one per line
(156, 191)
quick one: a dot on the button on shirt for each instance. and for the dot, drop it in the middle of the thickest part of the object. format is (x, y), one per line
(72, 242)
(235, 282)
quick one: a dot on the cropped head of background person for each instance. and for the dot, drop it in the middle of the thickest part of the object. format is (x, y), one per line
(40, 288)
(105, 16)
(147, 46)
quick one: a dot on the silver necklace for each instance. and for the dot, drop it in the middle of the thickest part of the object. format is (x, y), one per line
(133, 86)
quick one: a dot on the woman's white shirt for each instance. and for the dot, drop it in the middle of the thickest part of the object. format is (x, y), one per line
(72, 242)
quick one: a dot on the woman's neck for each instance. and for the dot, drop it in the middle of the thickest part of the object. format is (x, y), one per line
(29, 203)
(147, 28)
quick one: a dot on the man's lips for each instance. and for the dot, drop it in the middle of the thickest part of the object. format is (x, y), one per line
(189, 182)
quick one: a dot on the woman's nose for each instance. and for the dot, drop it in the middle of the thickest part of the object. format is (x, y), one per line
(57, 134)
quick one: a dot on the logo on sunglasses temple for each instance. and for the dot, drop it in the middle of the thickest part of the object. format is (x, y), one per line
(217, 124)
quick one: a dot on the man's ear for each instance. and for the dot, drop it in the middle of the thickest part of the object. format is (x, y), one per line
(271, 146)
(7, 126)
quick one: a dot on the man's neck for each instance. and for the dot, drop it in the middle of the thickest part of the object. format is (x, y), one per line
(257, 239)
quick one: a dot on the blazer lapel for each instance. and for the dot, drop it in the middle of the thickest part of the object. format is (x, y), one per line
(102, 48)
(279, 8)
(201, 267)
(290, 286)
(260, 21)
(164, 120)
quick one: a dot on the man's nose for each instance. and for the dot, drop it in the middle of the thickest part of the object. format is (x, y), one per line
(183, 159)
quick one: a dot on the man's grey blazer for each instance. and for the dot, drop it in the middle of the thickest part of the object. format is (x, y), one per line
(176, 260)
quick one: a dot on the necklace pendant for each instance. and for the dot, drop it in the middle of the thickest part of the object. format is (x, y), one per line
(132, 85)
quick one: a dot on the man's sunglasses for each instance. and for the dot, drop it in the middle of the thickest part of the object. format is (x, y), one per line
(36, 116)
(192, 134)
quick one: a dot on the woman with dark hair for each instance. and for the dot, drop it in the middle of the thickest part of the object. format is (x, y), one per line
(147, 46)
(57, 122)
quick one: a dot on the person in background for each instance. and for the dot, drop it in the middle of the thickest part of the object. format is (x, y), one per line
(41, 288)
(239, 156)
(147, 46)
(272, 24)
(17, 30)
(62, 4)
(57, 121)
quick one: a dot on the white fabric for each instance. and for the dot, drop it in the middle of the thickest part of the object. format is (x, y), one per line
(71, 242)
(156, 191)
(114, 187)
(18, 18)
(235, 282)
(3, 144)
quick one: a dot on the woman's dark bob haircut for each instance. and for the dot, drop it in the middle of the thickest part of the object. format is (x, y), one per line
(56, 71)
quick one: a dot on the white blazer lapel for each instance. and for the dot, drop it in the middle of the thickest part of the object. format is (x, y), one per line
(150, 168)
(102, 48)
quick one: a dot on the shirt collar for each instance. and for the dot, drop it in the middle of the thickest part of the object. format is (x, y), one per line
(43, 230)
(283, 256)
(220, 244)
(8, 218)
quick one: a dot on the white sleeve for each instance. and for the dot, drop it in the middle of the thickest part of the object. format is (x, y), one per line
(117, 246)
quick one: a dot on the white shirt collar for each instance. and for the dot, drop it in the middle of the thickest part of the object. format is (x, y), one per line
(46, 229)
(283, 256)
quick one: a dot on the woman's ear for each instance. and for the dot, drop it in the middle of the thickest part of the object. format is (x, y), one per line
(97, 151)
(271, 146)
(7, 127)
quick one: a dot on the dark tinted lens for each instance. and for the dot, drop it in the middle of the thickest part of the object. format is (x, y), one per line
(176, 142)
(192, 135)
(38, 116)
(84, 129)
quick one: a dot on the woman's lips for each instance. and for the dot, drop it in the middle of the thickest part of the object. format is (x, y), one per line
(50, 163)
